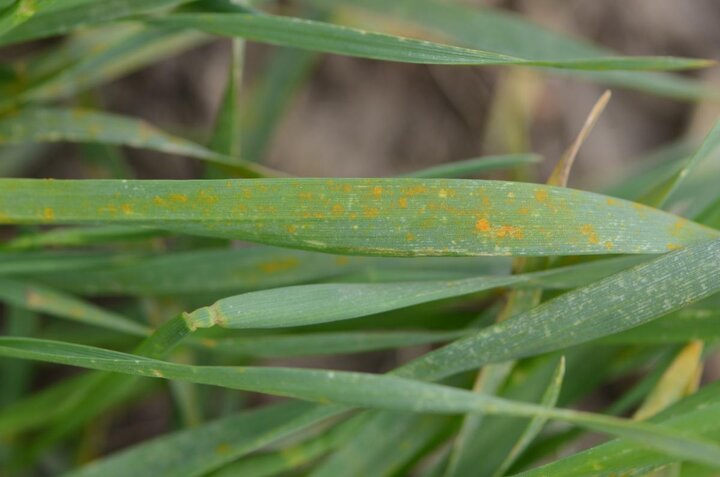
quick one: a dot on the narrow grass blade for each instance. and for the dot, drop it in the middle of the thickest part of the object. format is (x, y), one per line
(358, 389)
(226, 135)
(270, 97)
(508, 33)
(402, 217)
(316, 344)
(79, 125)
(57, 21)
(698, 412)
(668, 283)
(680, 327)
(664, 192)
(471, 167)
(549, 399)
(95, 57)
(16, 377)
(195, 451)
(43, 299)
(409, 433)
(37, 262)
(17, 14)
(328, 38)
(81, 236)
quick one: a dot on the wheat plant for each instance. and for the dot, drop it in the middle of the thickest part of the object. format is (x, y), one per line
(520, 298)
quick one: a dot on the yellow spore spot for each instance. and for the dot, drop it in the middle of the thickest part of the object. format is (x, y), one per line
(292, 229)
(612, 202)
(178, 198)
(48, 214)
(541, 195)
(443, 194)
(342, 260)
(208, 199)
(347, 188)
(337, 209)
(403, 202)
(159, 201)
(523, 211)
(410, 237)
(589, 231)
(279, 265)
(509, 231)
(223, 449)
(482, 225)
(609, 245)
(127, 209)
(305, 195)
(416, 190)
(674, 246)
(371, 212)
(377, 192)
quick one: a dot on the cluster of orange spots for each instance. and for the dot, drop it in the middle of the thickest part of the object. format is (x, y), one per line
(178, 198)
(127, 209)
(415, 190)
(403, 202)
(377, 192)
(589, 231)
(677, 228)
(445, 193)
(313, 215)
(541, 195)
(206, 198)
(482, 225)
(48, 214)
(337, 209)
(279, 265)
(371, 212)
(509, 231)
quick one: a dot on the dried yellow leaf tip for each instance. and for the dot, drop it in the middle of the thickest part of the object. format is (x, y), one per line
(560, 174)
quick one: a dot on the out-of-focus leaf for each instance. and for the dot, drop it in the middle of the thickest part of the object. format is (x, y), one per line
(79, 125)
(508, 33)
(43, 299)
(328, 38)
(475, 166)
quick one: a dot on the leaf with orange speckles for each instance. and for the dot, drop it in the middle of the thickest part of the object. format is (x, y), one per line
(364, 216)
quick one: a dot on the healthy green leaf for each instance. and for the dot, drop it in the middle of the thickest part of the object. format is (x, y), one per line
(403, 217)
(358, 389)
(603, 308)
(510, 34)
(329, 38)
